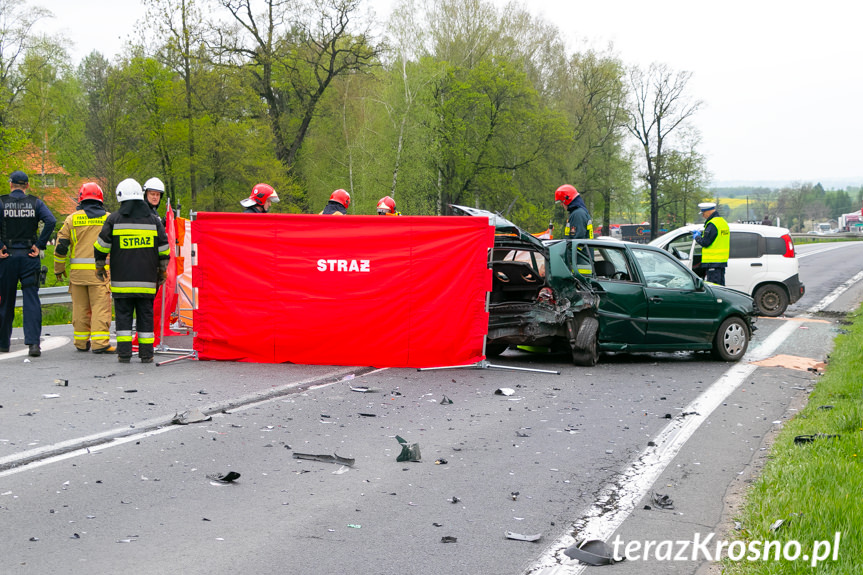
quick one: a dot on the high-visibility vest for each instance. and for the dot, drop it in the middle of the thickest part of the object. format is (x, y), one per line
(717, 252)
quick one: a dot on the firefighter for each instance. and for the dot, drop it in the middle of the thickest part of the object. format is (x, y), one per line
(387, 207)
(91, 297)
(259, 201)
(338, 205)
(20, 246)
(579, 224)
(715, 243)
(135, 239)
(154, 189)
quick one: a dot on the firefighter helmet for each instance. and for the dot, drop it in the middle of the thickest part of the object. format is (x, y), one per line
(260, 194)
(386, 205)
(129, 189)
(91, 191)
(154, 184)
(342, 197)
(565, 194)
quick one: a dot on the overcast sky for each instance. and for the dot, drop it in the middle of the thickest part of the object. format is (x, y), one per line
(781, 80)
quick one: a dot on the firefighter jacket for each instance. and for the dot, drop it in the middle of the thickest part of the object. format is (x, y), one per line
(20, 215)
(75, 244)
(135, 239)
(579, 225)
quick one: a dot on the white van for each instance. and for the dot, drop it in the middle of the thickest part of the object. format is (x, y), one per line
(762, 263)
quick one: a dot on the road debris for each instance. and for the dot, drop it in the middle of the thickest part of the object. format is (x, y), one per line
(228, 477)
(193, 415)
(446, 401)
(802, 439)
(326, 458)
(448, 539)
(62, 382)
(514, 495)
(440, 461)
(593, 552)
(50, 395)
(504, 391)
(663, 501)
(520, 537)
(410, 452)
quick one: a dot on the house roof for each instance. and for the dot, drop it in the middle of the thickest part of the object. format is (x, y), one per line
(32, 161)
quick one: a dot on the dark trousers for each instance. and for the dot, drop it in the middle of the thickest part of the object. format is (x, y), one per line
(23, 268)
(142, 309)
(715, 275)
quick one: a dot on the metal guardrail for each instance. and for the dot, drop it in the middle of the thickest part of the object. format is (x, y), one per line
(59, 294)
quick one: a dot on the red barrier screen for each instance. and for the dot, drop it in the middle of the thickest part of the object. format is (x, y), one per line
(403, 291)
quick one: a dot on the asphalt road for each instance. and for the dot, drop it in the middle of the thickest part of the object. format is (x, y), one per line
(572, 447)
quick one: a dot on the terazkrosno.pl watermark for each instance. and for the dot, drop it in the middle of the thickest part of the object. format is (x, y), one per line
(706, 549)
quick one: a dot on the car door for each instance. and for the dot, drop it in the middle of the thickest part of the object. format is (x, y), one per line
(747, 266)
(680, 311)
(622, 303)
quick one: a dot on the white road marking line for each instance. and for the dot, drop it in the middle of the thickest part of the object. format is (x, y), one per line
(47, 344)
(635, 482)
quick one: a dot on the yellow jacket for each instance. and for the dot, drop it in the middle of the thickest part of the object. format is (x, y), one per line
(75, 244)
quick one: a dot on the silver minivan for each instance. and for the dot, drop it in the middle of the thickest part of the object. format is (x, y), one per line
(762, 263)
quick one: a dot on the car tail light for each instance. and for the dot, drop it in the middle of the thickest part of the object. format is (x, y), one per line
(546, 295)
(789, 246)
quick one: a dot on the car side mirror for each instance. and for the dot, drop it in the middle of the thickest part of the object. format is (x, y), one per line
(699, 284)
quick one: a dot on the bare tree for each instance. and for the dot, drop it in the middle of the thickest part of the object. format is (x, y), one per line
(293, 51)
(659, 106)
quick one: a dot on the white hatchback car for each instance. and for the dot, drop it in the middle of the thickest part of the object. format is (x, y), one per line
(762, 263)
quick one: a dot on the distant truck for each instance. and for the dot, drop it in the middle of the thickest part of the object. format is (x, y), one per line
(852, 222)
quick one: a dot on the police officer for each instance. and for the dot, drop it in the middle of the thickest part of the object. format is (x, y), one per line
(91, 297)
(579, 224)
(387, 207)
(20, 246)
(715, 243)
(154, 189)
(263, 196)
(136, 241)
(338, 205)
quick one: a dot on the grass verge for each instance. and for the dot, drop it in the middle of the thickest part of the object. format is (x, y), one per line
(816, 488)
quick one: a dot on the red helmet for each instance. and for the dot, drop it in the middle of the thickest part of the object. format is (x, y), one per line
(90, 191)
(386, 205)
(260, 194)
(341, 197)
(565, 194)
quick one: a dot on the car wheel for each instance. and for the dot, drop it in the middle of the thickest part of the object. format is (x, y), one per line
(731, 340)
(585, 351)
(771, 300)
(494, 349)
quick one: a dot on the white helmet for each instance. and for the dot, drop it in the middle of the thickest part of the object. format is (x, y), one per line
(154, 184)
(129, 189)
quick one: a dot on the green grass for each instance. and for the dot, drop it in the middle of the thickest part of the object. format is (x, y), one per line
(817, 488)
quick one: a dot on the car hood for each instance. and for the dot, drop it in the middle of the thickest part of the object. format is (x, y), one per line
(733, 296)
(502, 226)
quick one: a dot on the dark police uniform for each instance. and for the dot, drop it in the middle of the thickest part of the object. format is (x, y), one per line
(20, 215)
(139, 252)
